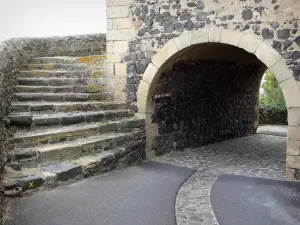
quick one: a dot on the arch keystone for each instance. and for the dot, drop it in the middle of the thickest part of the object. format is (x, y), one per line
(164, 53)
(267, 55)
(281, 71)
(215, 34)
(249, 43)
(183, 41)
(231, 37)
(198, 36)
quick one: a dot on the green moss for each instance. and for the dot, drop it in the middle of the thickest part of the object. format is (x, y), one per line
(95, 88)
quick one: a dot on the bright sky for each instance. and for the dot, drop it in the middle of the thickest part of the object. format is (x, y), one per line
(40, 18)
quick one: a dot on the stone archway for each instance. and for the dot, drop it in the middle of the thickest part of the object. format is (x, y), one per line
(266, 54)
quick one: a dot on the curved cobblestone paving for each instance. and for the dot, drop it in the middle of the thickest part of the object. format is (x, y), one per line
(258, 155)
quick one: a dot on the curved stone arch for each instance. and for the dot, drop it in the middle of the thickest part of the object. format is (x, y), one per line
(265, 53)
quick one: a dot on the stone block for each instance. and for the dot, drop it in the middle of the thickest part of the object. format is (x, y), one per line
(291, 93)
(293, 147)
(231, 37)
(72, 119)
(109, 24)
(120, 47)
(151, 131)
(122, 23)
(110, 47)
(150, 154)
(281, 71)
(294, 133)
(110, 68)
(94, 117)
(46, 121)
(121, 70)
(293, 162)
(115, 83)
(109, 128)
(249, 43)
(144, 104)
(120, 96)
(183, 41)
(214, 34)
(164, 54)
(290, 174)
(117, 12)
(144, 88)
(267, 55)
(294, 117)
(120, 35)
(150, 74)
(110, 3)
(30, 182)
(21, 120)
(53, 97)
(199, 36)
(63, 171)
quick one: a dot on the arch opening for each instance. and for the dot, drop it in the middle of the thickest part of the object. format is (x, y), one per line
(206, 93)
(221, 56)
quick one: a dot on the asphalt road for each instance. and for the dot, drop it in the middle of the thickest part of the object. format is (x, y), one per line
(239, 200)
(139, 195)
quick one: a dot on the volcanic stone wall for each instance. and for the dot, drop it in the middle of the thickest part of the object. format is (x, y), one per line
(137, 29)
(205, 101)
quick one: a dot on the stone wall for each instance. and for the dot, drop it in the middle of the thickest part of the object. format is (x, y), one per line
(137, 29)
(204, 101)
(80, 45)
(142, 34)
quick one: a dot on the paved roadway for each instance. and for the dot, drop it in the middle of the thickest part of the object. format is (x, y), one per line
(138, 195)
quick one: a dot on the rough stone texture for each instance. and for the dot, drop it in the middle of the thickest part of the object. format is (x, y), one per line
(258, 156)
(273, 22)
(204, 101)
(15, 53)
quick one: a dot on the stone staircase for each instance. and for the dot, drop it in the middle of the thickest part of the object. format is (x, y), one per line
(65, 126)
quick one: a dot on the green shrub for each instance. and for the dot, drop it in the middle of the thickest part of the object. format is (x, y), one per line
(272, 104)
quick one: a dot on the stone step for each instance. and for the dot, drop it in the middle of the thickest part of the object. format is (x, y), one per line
(61, 81)
(59, 74)
(30, 119)
(92, 61)
(55, 66)
(70, 150)
(65, 106)
(59, 97)
(61, 89)
(17, 183)
(72, 132)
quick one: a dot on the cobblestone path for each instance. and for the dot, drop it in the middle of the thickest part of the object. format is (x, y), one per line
(258, 155)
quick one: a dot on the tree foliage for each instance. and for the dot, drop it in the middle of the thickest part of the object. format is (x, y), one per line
(271, 94)
(272, 104)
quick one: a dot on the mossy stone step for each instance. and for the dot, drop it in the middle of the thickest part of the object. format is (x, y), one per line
(61, 89)
(65, 106)
(52, 175)
(59, 97)
(73, 149)
(72, 132)
(39, 119)
(56, 66)
(59, 74)
(52, 81)
(91, 61)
